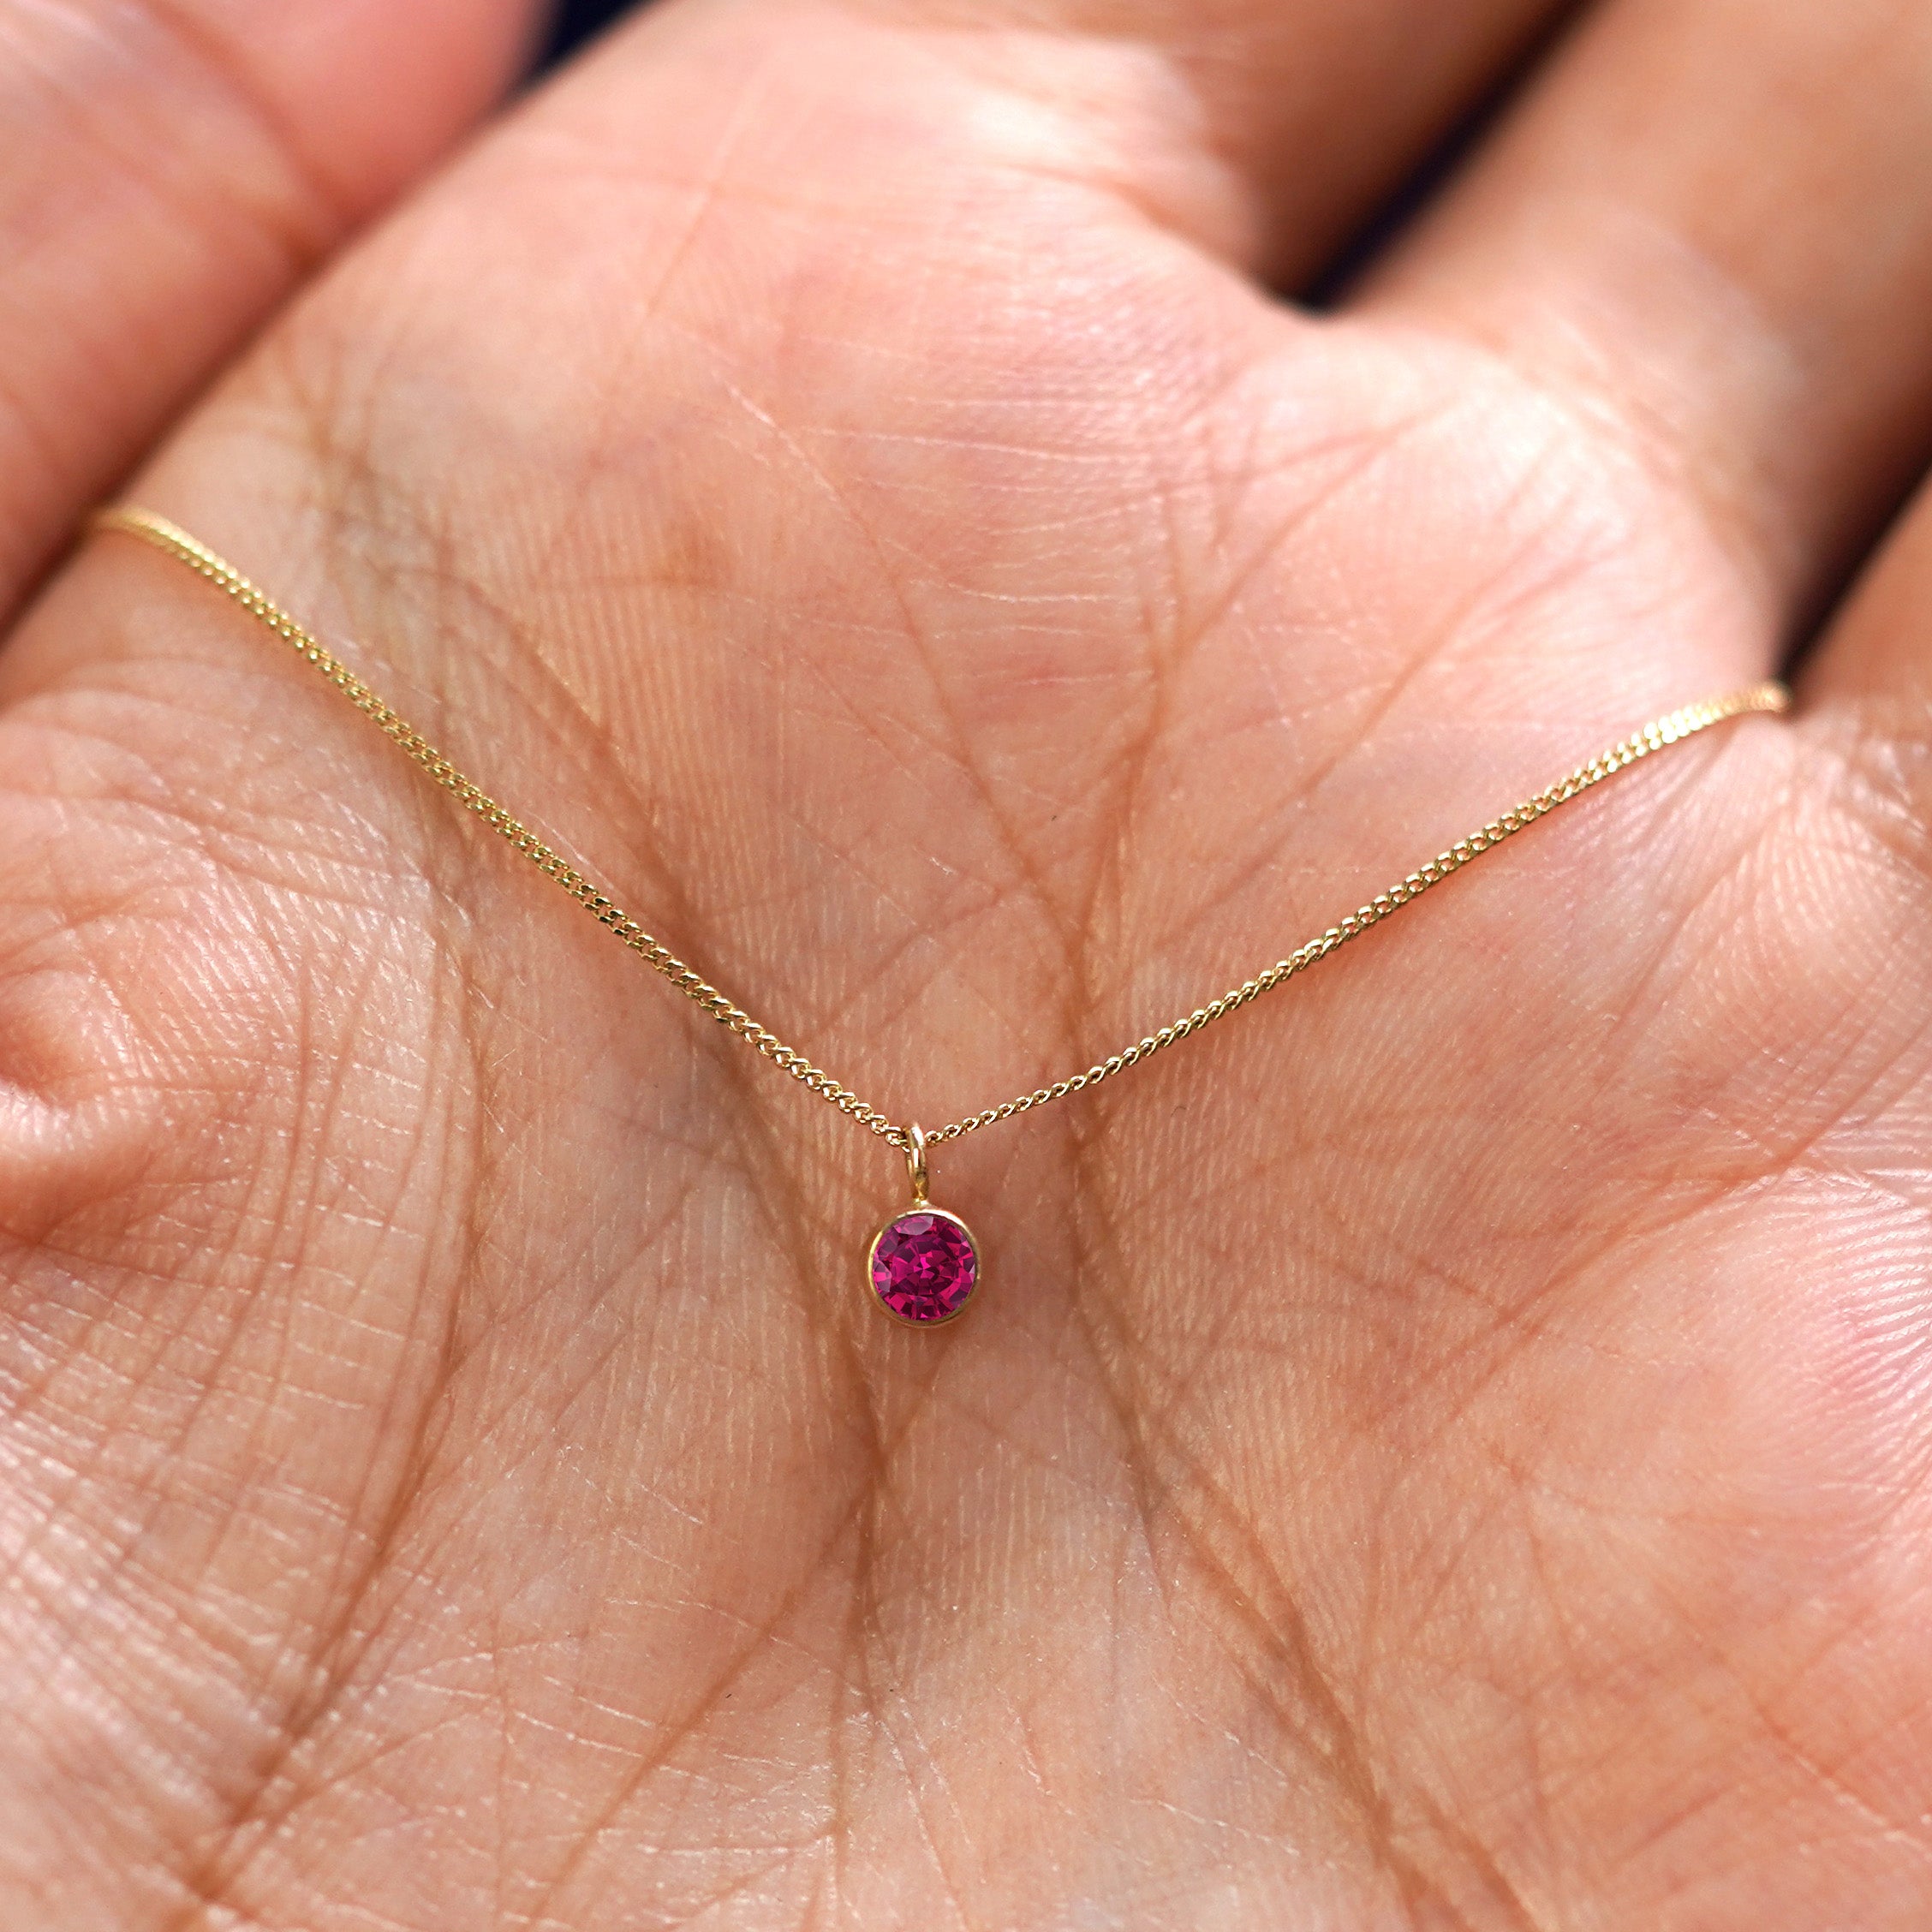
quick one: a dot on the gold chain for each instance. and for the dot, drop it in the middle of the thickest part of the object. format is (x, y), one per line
(1667, 730)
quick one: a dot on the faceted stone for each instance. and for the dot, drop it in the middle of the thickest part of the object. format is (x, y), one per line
(923, 1265)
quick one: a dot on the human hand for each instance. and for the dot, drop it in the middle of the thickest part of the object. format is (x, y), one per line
(1448, 1446)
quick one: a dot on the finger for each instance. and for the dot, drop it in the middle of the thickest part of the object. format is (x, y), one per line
(1710, 226)
(168, 174)
(1310, 111)
(1869, 695)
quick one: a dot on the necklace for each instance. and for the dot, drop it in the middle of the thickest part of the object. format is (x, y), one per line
(923, 1265)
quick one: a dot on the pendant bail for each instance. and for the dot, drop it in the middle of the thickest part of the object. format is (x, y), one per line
(915, 1162)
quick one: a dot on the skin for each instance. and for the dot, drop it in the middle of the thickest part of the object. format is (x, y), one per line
(1450, 1447)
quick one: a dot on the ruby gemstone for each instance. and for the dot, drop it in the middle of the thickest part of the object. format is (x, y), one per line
(923, 1265)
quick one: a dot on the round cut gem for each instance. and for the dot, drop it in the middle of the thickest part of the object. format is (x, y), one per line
(924, 1267)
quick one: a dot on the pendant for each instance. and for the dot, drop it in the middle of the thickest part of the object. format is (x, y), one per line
(923, 1265)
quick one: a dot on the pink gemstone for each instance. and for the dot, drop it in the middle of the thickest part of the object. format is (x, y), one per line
(923, 1265)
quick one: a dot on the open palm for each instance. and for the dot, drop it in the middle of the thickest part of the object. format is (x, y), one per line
(1451, 1447)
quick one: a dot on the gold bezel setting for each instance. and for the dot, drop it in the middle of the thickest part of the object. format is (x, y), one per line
(972, 1241)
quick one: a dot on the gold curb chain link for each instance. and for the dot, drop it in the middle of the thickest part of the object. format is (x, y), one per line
(1678, 725)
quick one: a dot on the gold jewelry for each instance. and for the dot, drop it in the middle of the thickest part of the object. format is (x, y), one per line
(923, 1265)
